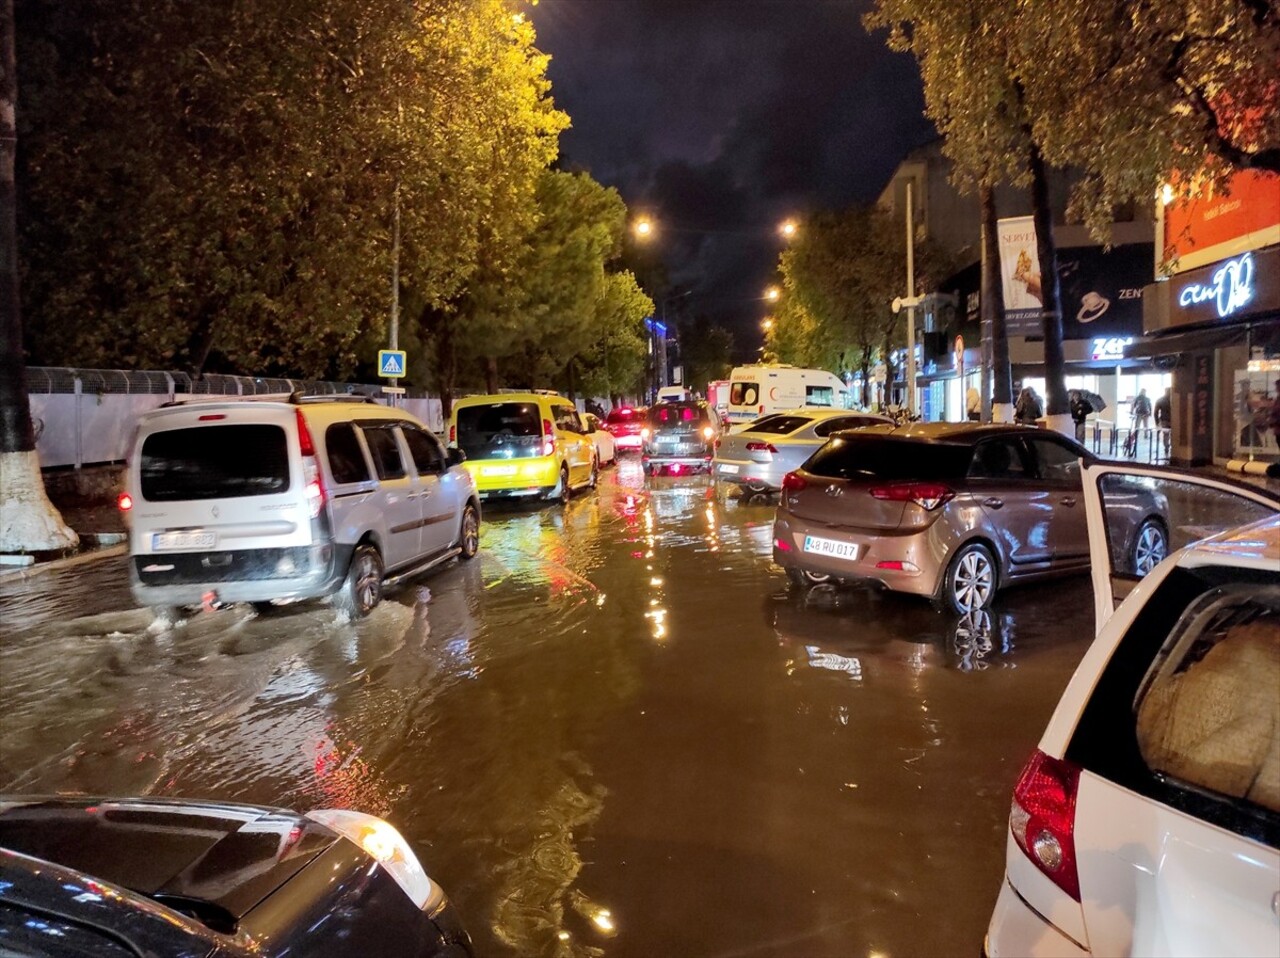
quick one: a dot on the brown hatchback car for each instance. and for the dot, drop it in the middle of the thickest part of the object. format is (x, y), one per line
(950, 511)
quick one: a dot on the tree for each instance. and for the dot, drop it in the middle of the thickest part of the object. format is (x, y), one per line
(28, 521)
(1132, 92)
(974, 94)
(840, 277)
(706, 352)
(613, 363)
(216, 185)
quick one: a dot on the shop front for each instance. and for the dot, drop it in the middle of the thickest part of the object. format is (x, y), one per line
(1217, 328)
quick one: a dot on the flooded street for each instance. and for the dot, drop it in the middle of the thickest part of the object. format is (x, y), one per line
(618, 732)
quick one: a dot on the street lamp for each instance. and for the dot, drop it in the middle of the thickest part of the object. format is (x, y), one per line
(773, 294)
(643, 228)
(767, 323)
(788, 229)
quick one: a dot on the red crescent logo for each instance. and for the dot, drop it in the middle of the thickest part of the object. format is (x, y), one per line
(773, 393)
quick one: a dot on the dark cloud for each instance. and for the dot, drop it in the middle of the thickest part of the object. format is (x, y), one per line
(723, 116)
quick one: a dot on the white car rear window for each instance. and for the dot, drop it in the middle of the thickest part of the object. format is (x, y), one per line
(1208, 715)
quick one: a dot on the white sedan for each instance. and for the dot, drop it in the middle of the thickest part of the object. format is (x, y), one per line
(606, 448)
(1148, 820)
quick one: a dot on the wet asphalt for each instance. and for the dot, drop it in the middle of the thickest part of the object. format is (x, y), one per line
(617, 732)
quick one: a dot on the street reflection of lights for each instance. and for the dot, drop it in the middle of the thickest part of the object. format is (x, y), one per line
(654, 601)
(659, 617)
(600, 600)
(562, 935)
(604, 921)
(655, 581)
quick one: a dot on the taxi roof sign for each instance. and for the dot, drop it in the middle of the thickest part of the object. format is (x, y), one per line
(391, 363)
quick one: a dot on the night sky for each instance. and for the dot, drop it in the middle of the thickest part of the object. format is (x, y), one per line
(720, 118)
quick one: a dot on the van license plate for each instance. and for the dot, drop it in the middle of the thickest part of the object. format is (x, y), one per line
(183, 540)
(830, 547)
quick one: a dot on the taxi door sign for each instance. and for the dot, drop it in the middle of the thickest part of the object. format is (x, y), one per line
(391, 363)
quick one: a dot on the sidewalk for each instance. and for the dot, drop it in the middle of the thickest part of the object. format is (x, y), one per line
(96, 521)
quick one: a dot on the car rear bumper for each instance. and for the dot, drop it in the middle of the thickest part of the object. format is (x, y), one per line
(746, 473)
(249, 575)
(902, 563)
(521, 477)
(1017, 929)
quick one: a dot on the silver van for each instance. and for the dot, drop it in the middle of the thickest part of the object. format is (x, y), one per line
(272, 500)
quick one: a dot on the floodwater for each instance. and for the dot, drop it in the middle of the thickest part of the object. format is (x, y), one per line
(615, 733)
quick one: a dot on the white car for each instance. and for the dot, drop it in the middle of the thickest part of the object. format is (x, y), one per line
(606, 447)
(1148, 820)
(275, 499)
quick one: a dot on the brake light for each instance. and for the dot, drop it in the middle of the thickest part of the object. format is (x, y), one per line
(625, 410)
(781, 545)
(453, 435)
(305, 444)
(761, 410)
(761, 447)
(124, 502)
(1043, 818)
(548, 437)
(313, 487)
(716, 445)
(927, 495)
(212, 417)
(793, 482)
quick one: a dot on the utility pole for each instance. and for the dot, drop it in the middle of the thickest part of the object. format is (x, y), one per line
(910, 303)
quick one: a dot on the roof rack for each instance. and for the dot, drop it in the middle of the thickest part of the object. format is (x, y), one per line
(198, 398)
(298, 398)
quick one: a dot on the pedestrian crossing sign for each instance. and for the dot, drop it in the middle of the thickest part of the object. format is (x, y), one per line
(391, 363)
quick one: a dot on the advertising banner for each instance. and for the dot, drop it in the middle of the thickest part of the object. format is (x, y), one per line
(1020, 276)
(1101, 290)
(1211, 227)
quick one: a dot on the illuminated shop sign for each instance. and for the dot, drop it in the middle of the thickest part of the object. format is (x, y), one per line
(1231, 288)
(1110, 347)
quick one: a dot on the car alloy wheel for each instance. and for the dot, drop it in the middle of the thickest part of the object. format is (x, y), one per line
(362, 589)
(469, 537)
(1150, 546)
(970, 584)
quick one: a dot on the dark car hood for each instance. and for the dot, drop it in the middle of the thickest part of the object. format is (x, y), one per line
(215, 860)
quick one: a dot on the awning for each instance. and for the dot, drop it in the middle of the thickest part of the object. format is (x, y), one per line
(1201, 340)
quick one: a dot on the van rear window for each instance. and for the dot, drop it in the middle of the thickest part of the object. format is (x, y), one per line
(744, 394)
(214, 462)
(872, 457)
(502, 430)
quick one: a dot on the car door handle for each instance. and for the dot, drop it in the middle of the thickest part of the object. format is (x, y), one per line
(1068, 500)
(993, 503)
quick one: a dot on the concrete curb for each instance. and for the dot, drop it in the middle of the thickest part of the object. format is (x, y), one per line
(56, 565)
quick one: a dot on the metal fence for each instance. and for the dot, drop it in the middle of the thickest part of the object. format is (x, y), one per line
(87, 416)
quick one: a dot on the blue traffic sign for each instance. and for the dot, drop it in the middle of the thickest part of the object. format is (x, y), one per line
(391, 363)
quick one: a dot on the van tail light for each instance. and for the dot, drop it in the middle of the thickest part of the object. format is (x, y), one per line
(761, 447)
(716, 445)
(548, 437)
(124, 502)
(793, 482)
(1043, 818)
(927, 495)
(453, 435)
(312, 482)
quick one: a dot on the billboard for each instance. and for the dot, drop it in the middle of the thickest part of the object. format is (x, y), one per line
(1204, 229)
(1020, 276)
(1101, 290)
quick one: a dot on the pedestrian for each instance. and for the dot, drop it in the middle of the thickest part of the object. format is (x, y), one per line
(1142, 411)
(1028, 409)
(973, 404)
(1080, 409)
(1163, 410)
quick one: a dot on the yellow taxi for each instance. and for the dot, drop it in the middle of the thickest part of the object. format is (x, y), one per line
(524, 444)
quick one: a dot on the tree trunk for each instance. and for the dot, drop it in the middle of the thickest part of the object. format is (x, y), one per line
(490, 374)
(28, 520)
(1056, 403)
(992, 306)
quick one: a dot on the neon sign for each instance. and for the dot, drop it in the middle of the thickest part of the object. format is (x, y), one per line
(1110, 347)
(1231, 289)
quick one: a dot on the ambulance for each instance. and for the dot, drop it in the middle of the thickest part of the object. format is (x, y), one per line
(760, 389)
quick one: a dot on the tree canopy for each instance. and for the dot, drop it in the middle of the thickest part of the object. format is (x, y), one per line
(216, 184)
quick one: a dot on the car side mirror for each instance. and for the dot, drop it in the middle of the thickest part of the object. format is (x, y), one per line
(454, 457)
